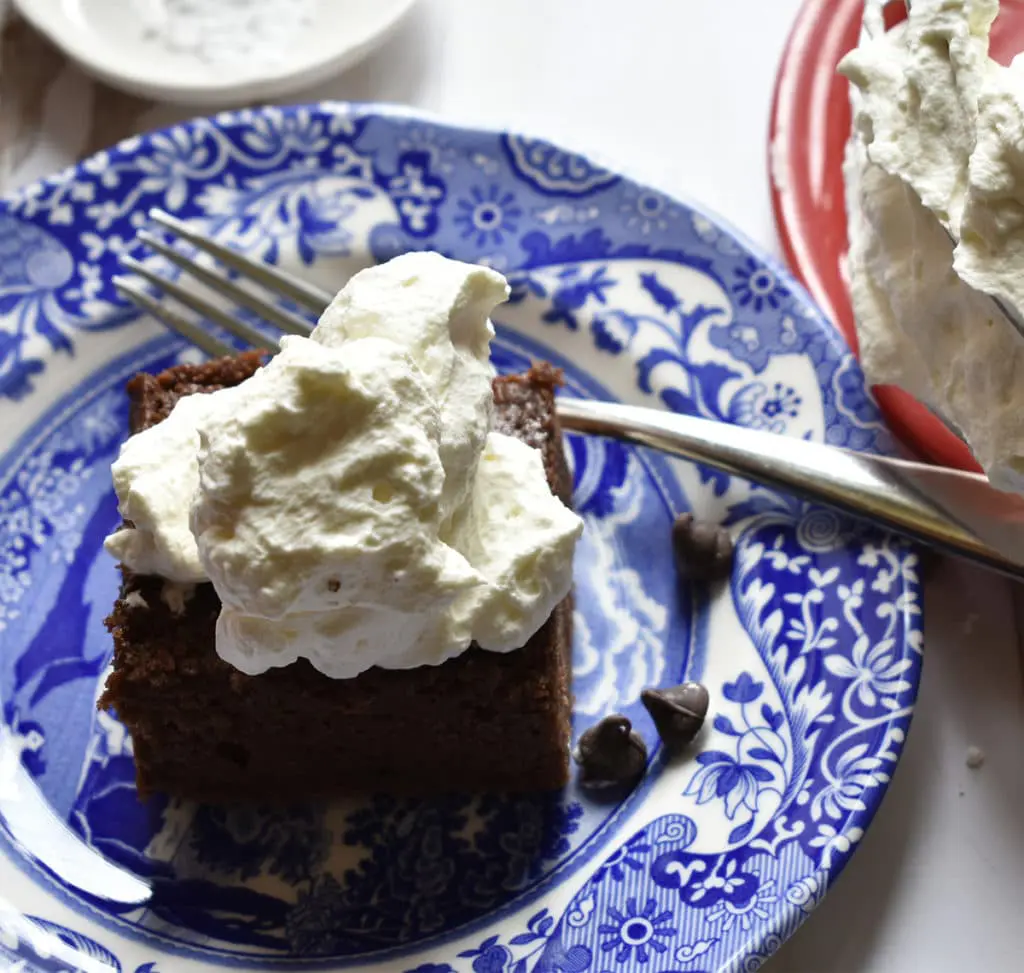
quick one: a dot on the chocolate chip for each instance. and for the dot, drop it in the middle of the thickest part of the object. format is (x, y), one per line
(678, 712)
(610, 754)
(703, 552)
(333, 584)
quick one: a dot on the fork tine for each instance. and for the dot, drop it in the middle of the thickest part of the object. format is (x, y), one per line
(176, 322)
(203, 307)
(272, 278)
(287, 322)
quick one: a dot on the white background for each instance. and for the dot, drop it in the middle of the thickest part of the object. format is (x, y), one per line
(678, 92)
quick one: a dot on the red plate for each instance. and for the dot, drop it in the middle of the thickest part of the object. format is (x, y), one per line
(809, 127)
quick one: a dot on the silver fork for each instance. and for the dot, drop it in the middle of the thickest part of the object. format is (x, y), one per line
(958, 513)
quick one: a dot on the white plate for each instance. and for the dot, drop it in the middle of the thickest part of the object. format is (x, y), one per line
(109, 39)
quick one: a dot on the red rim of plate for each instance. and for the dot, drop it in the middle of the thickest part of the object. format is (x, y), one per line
(810, 122)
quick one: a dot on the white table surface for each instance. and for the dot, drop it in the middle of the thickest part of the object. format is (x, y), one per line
(678, 92)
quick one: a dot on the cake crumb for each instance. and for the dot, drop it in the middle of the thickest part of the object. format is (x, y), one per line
(176, 595)
(134, 599)
(975, 757)
(191, 356)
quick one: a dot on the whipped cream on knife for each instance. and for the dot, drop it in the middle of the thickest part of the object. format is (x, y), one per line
(350, 502)
(937, 152)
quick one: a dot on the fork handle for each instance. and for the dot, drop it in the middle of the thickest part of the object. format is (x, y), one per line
(958, 513)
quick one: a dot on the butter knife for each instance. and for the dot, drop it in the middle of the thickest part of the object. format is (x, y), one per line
(957, 513)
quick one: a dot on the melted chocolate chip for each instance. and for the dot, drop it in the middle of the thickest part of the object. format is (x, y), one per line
(610, 754)
(678, 712)
(703, 552)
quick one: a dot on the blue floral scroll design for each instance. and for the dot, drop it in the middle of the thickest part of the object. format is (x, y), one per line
(828, 645)
(552, 170)
(30, 944)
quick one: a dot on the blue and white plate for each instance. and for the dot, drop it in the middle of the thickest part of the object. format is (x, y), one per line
(812, 650)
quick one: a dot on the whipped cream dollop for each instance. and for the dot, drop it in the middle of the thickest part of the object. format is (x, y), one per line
(350, 502)
(155, 476)
(935, 203)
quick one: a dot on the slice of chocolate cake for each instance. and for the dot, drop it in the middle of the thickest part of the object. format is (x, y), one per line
(483, 721)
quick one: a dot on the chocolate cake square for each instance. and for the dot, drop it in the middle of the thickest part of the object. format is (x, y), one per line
(201, 729)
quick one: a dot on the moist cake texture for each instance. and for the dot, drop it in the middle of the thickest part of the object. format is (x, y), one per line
(201, 729)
